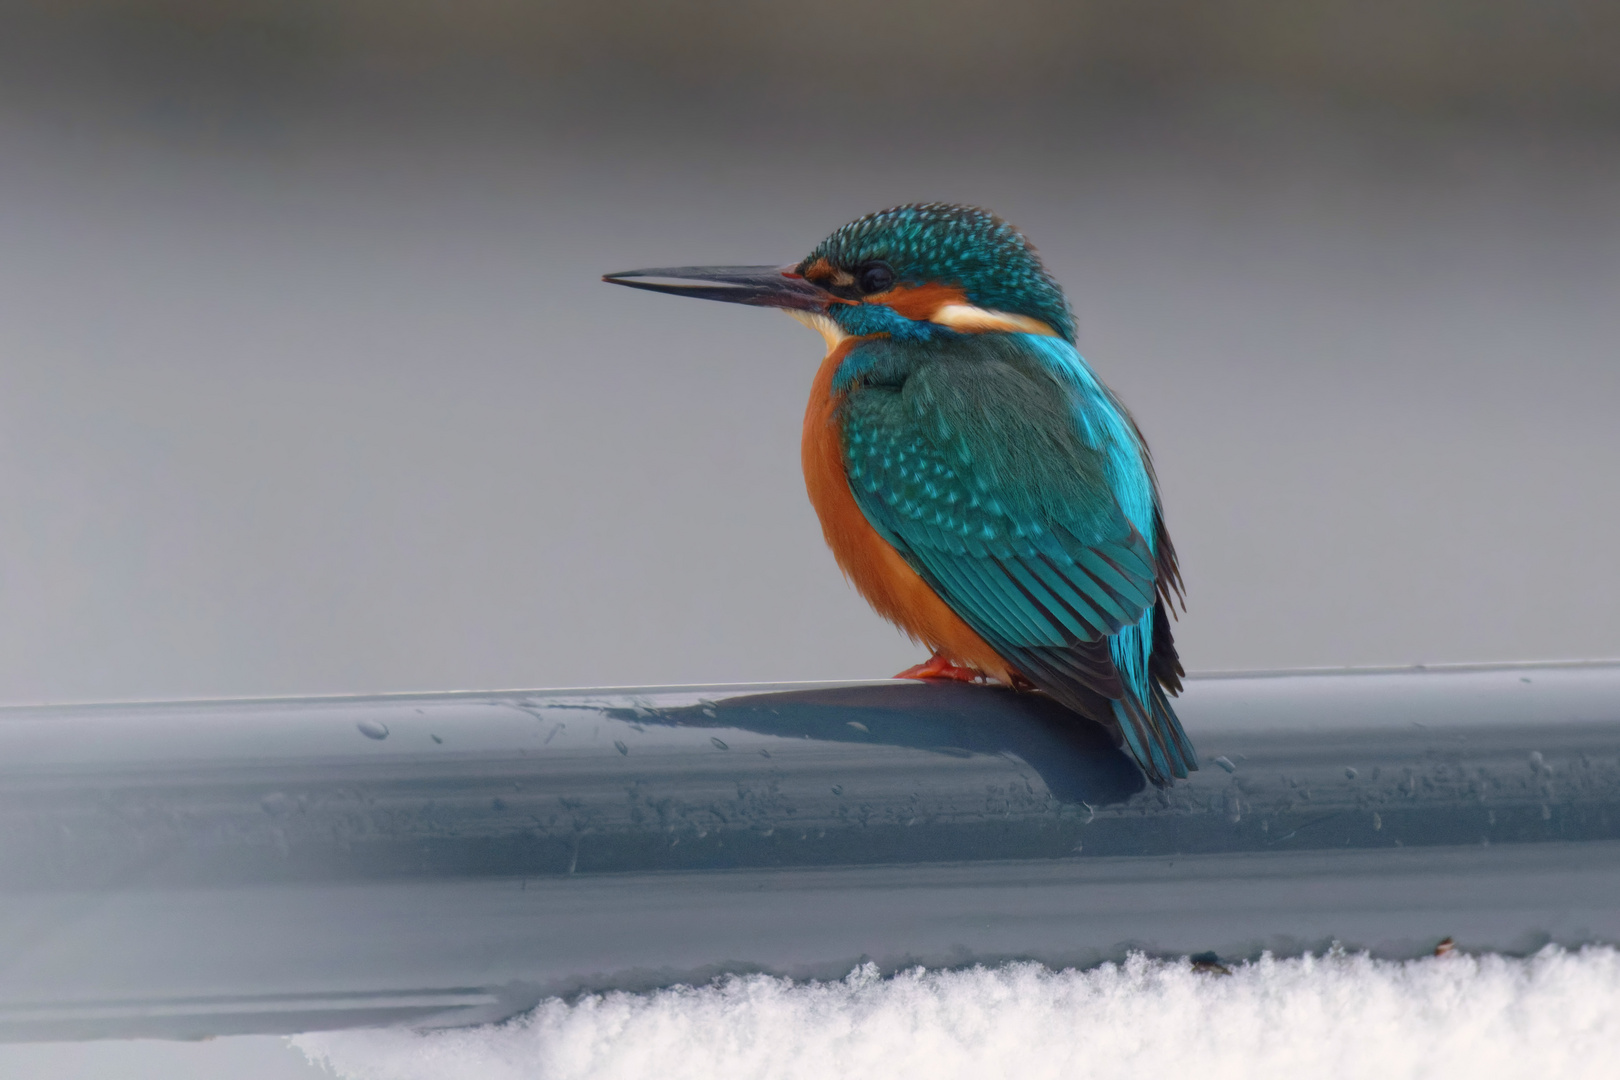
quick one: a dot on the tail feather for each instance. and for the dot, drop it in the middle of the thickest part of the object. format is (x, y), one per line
(1137, 728)
(1155, 736)
(1083, 678)
(1170, 724)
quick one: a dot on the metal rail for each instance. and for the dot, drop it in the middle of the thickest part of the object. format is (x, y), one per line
(210, 868)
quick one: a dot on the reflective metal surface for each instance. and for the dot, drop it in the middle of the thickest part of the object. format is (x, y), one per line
(209, 868)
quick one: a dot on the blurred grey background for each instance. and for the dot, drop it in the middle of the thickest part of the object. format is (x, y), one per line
(307, 382)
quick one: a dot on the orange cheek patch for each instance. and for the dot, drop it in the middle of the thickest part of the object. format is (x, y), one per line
(824, 273)
(919, 302)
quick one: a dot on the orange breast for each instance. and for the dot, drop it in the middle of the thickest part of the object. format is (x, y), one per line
(877, 571)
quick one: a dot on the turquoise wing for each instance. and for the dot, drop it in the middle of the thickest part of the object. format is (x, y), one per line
(974, 466)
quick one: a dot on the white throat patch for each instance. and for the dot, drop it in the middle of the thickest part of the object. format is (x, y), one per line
(830, 331)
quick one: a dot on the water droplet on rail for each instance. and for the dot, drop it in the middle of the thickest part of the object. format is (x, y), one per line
(436, 739)
(718, 745)
(858, 726)
(1226, 763)
(838, 789)
(372, 729)
(621, 748)
(1350, 772)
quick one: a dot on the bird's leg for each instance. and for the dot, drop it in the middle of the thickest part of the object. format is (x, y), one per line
(940, 666)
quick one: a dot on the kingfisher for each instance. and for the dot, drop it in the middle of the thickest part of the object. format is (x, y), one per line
(976, 481)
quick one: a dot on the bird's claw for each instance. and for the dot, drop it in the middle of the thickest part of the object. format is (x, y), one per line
(940, 666)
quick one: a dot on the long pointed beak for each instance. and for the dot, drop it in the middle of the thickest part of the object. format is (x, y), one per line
(761, 286)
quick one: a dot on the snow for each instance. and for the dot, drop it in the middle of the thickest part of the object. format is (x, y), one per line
(1554, 1014)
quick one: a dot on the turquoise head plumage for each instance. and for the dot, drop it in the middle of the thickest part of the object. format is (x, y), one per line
(943, 247)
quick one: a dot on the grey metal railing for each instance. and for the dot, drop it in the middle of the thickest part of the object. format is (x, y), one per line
(273, 866)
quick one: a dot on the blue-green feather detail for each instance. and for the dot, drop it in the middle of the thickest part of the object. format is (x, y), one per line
(1012, 481)
(1106, 425)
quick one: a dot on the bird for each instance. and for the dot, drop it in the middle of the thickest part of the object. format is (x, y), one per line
(976, 481)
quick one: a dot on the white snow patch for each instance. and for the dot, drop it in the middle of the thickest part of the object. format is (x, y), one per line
(1555, 1014)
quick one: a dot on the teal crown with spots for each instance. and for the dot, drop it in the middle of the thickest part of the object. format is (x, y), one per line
(938, 243)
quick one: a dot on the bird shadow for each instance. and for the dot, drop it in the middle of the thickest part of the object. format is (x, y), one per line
(1076, 758)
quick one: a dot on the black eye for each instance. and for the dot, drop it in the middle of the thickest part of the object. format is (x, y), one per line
(874, 277)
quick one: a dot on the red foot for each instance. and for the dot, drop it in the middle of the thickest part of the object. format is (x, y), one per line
(939, 666)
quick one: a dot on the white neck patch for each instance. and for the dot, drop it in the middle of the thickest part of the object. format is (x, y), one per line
(977, 320)
(965, 318)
